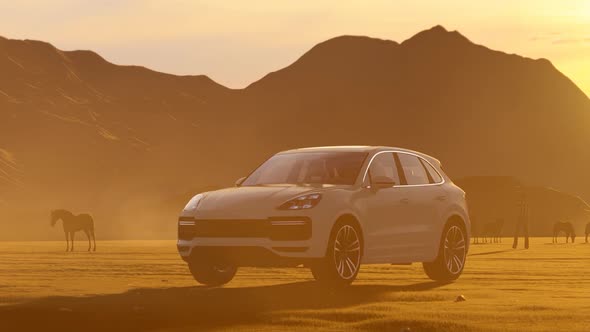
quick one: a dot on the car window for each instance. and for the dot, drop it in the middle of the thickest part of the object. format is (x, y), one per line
(436, 178)
(282, 169)
(341, 168)
(383, 165)
(413, 169)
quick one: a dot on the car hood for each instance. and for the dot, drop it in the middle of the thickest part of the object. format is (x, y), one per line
(248, 201)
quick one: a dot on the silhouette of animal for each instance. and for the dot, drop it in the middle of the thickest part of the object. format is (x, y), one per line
(587, 231)
(565, 227)
(475, 230)
(493, 230)
(522, 221)
(72, 224)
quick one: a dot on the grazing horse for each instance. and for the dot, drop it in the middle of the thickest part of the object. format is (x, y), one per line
(493, 230)
(72, 224)
(587, 231)
(565, 227)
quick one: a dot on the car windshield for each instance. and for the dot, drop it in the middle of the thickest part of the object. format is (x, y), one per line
(339, 168)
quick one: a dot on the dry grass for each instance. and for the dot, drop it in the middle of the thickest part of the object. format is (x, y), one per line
(143, 285)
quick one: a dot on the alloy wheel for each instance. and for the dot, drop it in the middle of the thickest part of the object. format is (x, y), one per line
(454, 250)
(347, 252)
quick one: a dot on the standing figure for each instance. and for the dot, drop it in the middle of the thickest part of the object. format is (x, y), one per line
(493, 230)
(587, 231)
(475, 234)
(72, 224)
(564, 227)
(522, 221)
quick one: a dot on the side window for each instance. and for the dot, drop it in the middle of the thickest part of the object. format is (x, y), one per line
(383, 165)
(413, 169)
(436, 178)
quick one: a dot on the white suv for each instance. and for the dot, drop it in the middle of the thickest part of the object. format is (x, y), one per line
(331, 209)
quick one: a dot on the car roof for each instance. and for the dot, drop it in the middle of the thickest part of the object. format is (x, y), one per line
(340, 148)
(357, 148)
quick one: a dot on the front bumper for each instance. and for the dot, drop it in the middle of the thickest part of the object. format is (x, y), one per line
(255, 256)
(274, 241)
(273, 228)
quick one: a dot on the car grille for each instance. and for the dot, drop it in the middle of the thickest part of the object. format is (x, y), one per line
(277, 228)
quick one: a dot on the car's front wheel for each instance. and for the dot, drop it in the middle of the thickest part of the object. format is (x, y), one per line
(450, 262)
(211, 273)
(343, 256)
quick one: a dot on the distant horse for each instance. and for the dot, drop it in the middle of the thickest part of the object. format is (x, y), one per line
(493, 230)
(475, 233)
(72, 224)
(565, 227)
(587, 231)
(522, 221)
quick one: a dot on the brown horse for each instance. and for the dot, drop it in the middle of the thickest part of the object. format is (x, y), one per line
(565, 227)
(493, 230)
(72, 224)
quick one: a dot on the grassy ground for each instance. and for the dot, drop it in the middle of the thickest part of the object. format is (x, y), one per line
(143, 285)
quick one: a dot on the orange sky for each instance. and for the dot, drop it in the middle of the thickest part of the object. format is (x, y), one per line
(237, 42)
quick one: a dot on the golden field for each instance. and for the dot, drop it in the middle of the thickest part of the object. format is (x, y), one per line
(144, 285)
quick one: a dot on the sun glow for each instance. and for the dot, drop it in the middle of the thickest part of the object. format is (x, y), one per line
(236, 42)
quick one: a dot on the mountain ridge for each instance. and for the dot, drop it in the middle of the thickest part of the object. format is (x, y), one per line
(437, 33)
(114, 140)
(436, 37)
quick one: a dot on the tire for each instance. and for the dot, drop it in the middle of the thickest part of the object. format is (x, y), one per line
(211, 274)
(342, 262)
(452, 254)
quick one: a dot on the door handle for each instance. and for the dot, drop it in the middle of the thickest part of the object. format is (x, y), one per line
(441, 198)
(404, 201)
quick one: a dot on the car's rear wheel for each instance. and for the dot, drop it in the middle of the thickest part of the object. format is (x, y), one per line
(452, 254)
(343, 256)
(211, 273)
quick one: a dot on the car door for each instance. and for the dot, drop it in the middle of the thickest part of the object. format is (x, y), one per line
(385, 209)
(426, 202)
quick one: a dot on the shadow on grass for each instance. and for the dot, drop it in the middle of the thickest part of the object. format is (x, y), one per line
(490, 252)
(185, 307)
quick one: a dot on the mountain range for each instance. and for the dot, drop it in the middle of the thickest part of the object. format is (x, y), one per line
(131, 145)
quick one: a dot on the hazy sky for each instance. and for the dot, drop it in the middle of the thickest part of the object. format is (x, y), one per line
(238, 42)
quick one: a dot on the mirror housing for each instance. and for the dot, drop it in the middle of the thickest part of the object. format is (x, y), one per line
(381, 182)
(239, 181)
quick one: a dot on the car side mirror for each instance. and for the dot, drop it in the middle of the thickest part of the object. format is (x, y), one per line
(239, 181)
(380, 182)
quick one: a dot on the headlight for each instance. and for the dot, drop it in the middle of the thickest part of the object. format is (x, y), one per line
(302, 202)
(193, 203)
